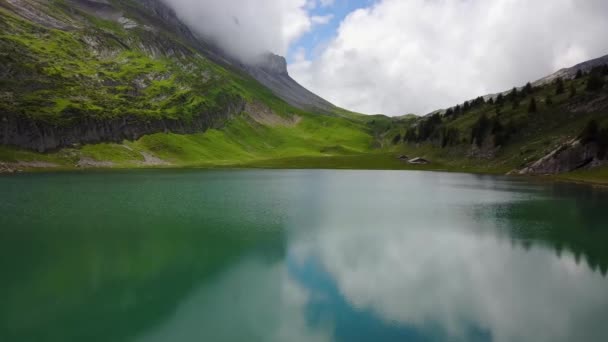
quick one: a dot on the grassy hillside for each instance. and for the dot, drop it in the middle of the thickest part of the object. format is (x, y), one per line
(98, 69)
(499, 137)
(69, 65)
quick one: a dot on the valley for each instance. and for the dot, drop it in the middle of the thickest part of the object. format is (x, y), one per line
(125, 84)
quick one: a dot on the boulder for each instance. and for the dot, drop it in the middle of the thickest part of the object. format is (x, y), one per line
(419, 161)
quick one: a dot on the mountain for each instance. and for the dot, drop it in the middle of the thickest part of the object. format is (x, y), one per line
(87, 71)
(272, 73)
(568, 73)
(125, 83)
(558, 125)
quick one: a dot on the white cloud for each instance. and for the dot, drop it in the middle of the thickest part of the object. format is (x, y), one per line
(321, 19)
(326, 3)
(419, 55)
(455, 260)
(247, 29)
(415, 276)
(271, 307)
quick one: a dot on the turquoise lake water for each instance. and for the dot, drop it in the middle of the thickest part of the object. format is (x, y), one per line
(254, 255)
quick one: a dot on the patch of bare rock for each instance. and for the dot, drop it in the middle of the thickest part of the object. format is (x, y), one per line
(262, 114)
(20, 166)
(86, 162)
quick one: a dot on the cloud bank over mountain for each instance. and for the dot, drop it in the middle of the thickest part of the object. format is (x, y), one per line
(247, 29)
(397, 57)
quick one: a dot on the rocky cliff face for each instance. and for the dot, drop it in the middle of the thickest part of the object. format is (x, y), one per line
(87, 71)
(43, 137)
(569, 157)
(272, 73)
(568, 73)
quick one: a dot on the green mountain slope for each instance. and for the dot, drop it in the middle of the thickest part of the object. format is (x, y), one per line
(123, 83)
(531, 130)
(150, 94)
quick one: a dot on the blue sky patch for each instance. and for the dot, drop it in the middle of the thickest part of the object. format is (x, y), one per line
(321, 34)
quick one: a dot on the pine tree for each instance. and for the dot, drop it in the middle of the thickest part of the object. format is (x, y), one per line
(579, 74)
(411, 135)
(532, 106)
(572, 90)
(549, 100)
(590, 132)
(528, 89)
(595, 82)
(479, 130)
(500, 100)
(515, 103)
(491, 101)
(513, 95)
(559, 86)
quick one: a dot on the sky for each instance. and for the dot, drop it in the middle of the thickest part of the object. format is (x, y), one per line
(406, 56)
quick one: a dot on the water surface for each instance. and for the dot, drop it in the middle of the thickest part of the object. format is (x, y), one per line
(300, 256)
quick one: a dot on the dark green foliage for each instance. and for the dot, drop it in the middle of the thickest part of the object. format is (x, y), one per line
(602, 143)
(572, 90)
(479, 130)
(502, 133)
(485, 127)
(532, 106)
(592, 133)
(450, 136)
(595, 82)
(500, 100)
(411, 135)
(549, 100)
(599, 70)
(480, 101)
(397, 139)
(528, 89)
(449, 112)
(579, 74)
(498, 131)
(513, 95)
(427, 128)
(516, 103)
(559, 86)
(491, 101)
(457, 110)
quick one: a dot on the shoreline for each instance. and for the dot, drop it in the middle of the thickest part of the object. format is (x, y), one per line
(35, 168)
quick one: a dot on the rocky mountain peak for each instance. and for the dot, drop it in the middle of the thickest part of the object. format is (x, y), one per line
(567, 73)
(274, 64)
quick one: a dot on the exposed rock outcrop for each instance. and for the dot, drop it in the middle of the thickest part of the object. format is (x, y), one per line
(41, 136)
(418, 161)
(272, 73)
(571, 156)
(270, 70)
(567, 73)
(264, 115)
